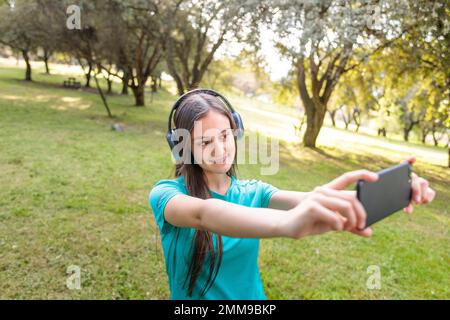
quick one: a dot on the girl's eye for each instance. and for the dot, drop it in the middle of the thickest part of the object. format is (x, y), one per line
(223, 137)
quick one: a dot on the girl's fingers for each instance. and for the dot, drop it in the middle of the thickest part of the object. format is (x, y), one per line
(423, 189)
(409, 209)
(429, 195)
(343, 207)
(351, 177)
(410, 159)
(349, 196)
(364, 233)
(416, 191)
(330, 218)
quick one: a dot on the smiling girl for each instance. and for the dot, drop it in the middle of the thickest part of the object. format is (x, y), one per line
(211, 222)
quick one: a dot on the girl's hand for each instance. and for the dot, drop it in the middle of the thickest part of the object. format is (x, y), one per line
(328, 208)
(332, 208)
(421, 192)
(312, 216)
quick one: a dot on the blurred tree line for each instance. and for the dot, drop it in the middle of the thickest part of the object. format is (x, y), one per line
(382, 61)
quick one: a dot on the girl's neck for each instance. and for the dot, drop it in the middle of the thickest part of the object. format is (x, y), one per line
(218, 182)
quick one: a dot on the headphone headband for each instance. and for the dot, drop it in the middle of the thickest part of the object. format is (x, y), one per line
(195, 91)
(236, 117)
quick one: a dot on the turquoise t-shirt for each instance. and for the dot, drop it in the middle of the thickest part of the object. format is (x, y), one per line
(238, 276)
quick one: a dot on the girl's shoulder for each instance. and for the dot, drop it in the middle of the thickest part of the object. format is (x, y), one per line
(250, 183)
(247, 182)
(177, 183)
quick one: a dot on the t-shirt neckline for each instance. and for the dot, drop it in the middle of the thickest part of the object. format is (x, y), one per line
(215, 194)
(218, 195)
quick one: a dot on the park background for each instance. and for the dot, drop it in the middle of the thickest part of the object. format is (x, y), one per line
(85, 91)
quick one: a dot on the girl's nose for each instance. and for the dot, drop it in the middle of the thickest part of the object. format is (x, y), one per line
(219, 148)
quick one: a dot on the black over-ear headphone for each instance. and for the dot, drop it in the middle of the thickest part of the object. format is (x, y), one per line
(236, 117)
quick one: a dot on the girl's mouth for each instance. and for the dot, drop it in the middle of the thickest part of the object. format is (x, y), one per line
(220, 161)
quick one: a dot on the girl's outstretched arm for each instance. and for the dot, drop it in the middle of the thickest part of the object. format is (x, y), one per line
(316, 214)
(286, 200)
(223, 217)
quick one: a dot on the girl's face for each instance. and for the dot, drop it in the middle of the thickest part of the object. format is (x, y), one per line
(213, 143)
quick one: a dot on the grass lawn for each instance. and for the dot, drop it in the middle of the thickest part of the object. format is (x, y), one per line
(74, 192)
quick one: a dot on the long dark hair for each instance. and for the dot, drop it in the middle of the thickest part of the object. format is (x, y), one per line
(191, 109)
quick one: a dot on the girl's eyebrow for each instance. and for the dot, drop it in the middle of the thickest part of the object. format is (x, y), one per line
(202, 137)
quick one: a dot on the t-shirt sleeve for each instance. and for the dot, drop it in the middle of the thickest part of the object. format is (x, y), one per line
(267, 190)
(161, 193)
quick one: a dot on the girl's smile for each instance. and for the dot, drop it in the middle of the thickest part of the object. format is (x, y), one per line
(223, 160)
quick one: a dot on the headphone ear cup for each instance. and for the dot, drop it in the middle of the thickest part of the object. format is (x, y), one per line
(169, 138)
(239, 124)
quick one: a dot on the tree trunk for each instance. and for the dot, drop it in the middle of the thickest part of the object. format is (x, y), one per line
(332, 117)
(47, 69)
(357, 118)
(424, 136)
(315, 102)
(139, 95)
(435, 139)
(154, 85)
(180, 86)
(105, 103)
(314, 121)
(125, 79)
(27, 62)
(406, 132)
(88, 76)
(382, 131)
(46, 58)
(346, 116)
(172, 71)
(193, 86)
(109, 82)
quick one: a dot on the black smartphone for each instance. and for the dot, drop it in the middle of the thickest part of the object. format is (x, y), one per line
(389, 194)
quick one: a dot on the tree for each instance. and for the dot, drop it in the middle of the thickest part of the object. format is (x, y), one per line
(81, 44)
(326, 39)
(126, 47)
(47, 36)
(131, 41)
(426, 50)
(193, 31)
(19, 31)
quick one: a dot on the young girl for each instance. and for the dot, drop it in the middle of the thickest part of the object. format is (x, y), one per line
(211, 222)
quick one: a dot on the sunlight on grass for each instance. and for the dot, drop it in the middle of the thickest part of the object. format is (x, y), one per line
(71, 103)
(62, 69)
(9, 97)
(365, 144)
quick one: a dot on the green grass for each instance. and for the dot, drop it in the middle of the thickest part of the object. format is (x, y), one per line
(74, 192)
